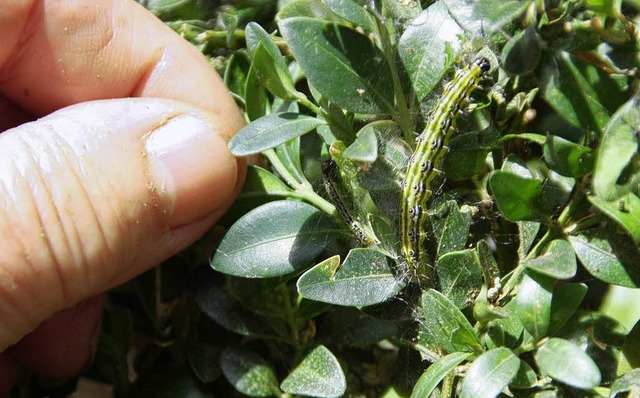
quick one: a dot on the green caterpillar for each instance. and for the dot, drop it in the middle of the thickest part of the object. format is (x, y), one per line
(431, 146)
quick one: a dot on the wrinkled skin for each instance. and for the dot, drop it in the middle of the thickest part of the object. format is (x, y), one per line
(94, 192)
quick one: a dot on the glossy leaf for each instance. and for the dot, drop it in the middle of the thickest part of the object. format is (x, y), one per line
(518, 198)
(468, 153)
(434, 374)
(615, 173)
(365, 147)
(490, 373)
(235, 75)
(360, 78)
(270, 131)
(255, 96)
(460, 276)
(450, 226)
(364, 278)
(318, 375)
(525, 378)
(628, 382)
(527, 232)
(273, 75)
(444, 327)
(566, 85)
(567, 158)
(275, 239)
(566, 300)
(558, 260)
(494, 14)
(426, 65)
(248, 372)
(522, 52)
(624, 210)
(533, 303)
(565, 362)
(609, 256)
(217, 305)
(353, 11)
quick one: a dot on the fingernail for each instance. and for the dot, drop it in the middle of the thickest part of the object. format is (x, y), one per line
(192, 166)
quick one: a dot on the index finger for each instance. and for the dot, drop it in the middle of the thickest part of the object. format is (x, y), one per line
(57, 53)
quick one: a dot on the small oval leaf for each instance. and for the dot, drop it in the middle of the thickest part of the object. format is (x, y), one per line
(248, 372)
(565, 362)
(558, 260)
(360, 79)
(275, 239)
(364, 278)
(270, 131)
(490, 373)
(436, 372)
(318, 375)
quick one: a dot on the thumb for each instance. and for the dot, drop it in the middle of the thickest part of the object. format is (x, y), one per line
(96, 193)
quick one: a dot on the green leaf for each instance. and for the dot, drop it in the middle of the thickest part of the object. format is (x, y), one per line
(628, 382)
(203, 359)
(275, 239)
(236, 73)
(567, 158)
(468, 153)
(615, 172)
(625, 211)
(260, 187)
(352, 11)
(522, 52)
(426, 65)
(494, 14)
(351, 327)
(228, 313)
(450, 226)
(270, 131)
(533, 303)
(460, 276)
(519, 198)
(558, 260)
(248, 372)
(318, 375)
(273, 75)
(527, 232)
(306, 8)
(565, 362)
(569, 86)
(609, 256)
(525, 378)
(443, 327)
(490, 373)
(434, 374)
(365, 147)
(565, 302)
(364, 278)
(360, 79)
(255, 96)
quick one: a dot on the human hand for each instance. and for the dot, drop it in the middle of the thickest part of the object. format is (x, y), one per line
(98, 191)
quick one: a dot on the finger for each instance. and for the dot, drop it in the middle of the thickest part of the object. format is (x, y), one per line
(62, 345)
(57, 53)
(98, 192)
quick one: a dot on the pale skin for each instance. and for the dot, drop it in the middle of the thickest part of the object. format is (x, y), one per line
(112, 159)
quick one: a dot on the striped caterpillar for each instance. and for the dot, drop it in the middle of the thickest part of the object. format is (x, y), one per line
(431, 147)
(331, 179)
